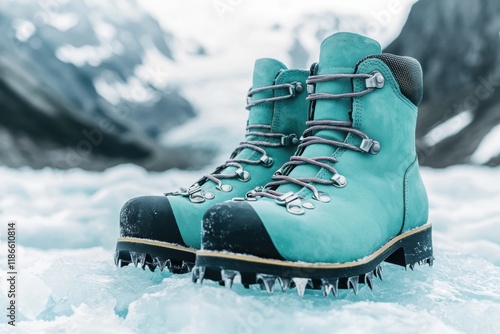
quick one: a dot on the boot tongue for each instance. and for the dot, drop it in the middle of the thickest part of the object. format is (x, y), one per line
(265, 71)
(340, 53)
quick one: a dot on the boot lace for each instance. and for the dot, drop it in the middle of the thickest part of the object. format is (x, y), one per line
(290, 199)
(197, 195)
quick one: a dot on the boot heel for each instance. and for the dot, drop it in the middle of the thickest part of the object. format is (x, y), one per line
(413, 249)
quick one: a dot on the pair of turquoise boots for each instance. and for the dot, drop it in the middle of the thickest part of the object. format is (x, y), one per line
(324, 188)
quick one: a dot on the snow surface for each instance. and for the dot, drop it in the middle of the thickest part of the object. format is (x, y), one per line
(68, 223)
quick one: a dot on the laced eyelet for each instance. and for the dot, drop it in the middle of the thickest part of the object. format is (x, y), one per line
(311, 88)
(339, 180)
(197, 198)
(267, 161)
(292, 202)
(209, 195)
(298, 87)
(278, 172)
(370, 146)
(242, 175)
(286, 198)
(376, 80)
(291, 139)
(293, 88)
(308, 205)
(322, 197)
(295, 207)
(225, 188)
(183, 191)
(249, 196)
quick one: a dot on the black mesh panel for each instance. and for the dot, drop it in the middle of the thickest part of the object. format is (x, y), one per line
(407, 72)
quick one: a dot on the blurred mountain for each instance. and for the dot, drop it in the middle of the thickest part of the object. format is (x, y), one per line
(75, 90)
(458, 45)
(93, 84)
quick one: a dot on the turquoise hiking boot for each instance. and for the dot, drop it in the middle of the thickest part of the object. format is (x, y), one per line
(351, 197)
(165, 231)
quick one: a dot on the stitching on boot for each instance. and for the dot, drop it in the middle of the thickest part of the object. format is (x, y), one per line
(407, 175)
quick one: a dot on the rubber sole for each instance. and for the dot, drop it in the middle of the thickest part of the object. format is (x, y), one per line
(154, 254)
(407, 250)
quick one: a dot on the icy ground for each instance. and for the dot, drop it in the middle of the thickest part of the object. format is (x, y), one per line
(67, 225)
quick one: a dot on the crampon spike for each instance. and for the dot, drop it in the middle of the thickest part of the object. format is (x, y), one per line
(301, 284)
(353, 283)
(284, 283)
(186, 266)
(369, 280)
(122, 263)
(195, 275)
(378, 272)
(330, 285)
(142, 260)
(228, 277)
(198, 274)
(267, 281)
(159, 263)
(135, 258)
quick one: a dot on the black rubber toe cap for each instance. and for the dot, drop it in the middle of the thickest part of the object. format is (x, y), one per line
(150, 217)
(235, 227)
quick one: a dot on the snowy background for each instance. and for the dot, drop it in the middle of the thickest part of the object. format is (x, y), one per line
(67, 221)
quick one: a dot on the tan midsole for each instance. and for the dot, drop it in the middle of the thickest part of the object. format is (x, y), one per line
(157, 243)
(365, 260)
